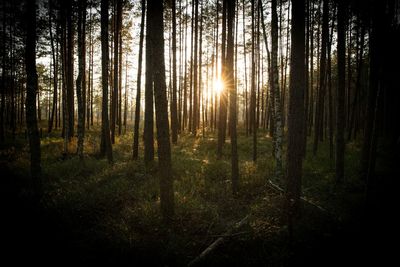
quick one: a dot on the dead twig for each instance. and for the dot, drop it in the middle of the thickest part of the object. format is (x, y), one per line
(219, 241)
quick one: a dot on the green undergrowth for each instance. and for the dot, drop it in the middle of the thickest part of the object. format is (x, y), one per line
(118, 205)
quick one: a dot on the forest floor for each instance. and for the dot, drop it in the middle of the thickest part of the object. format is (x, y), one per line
(95, 213)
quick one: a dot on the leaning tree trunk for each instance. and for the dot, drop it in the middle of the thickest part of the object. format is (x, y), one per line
(31, 90)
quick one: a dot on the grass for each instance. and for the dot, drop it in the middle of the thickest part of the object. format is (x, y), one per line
(115, 208)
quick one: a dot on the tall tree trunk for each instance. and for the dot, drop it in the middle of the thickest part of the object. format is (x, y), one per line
(340, 115)
(322, 78)
(119, 120)
(253, 128)
(195, 107)
(106, 148)
(31, 90)
(3, 76)
(156, 40)
(232, 96)
(223, 93)
(296, 129)
(115, 92)
(174, 114)
(70, 71)
(368, 151)
(135, 150)
(148, 98)
(355, 103)
(277, 101)
(80, 80)
(55, 71)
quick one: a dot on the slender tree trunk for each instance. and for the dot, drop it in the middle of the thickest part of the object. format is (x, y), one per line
(355, 103)
(322, 77)
(106, 148)
(70, 72)
(253, 128)
(80, 80)
(277, 102)
(232, 96)
(3, 76)
(195, 107)
(135, 150)
(223, 93)
(149, 100)
(115, 92)
(340, 115)
(174, 114)
(55, 71)
(368, 151)
(120, 71)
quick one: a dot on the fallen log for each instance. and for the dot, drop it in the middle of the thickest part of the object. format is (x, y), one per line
(218, 241)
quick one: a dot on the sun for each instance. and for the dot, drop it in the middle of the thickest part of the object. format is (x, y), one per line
(218, 86)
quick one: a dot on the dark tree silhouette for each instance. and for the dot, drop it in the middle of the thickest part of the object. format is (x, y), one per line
(105, 148)
(155, 30)
(294, 156)
(31, 90)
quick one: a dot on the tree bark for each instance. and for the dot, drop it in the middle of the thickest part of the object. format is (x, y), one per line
(106, 148)
(135, 149)
(322, 78)
(174, 114)
(277, 101)
(296, 129)
(156, 40)
(148, 98)
(31, 90)
(232, 97)
(80, 80)
(340, 114)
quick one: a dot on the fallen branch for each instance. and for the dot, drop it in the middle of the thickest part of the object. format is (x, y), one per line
(219, 241)
(276, 187)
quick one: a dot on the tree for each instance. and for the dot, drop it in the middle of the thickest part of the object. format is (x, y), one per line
(31, 90)
(174, 114)
(55, 71)
(322, 78)
(253, 128)
(155, 40)
(195, 107)
(105, 148)
(223, 94)
(275, 86)
(231, 88)
(81, 80)
(135, 150)
(148, 98)
(296, 129)
(115, 94)
(340, 114)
